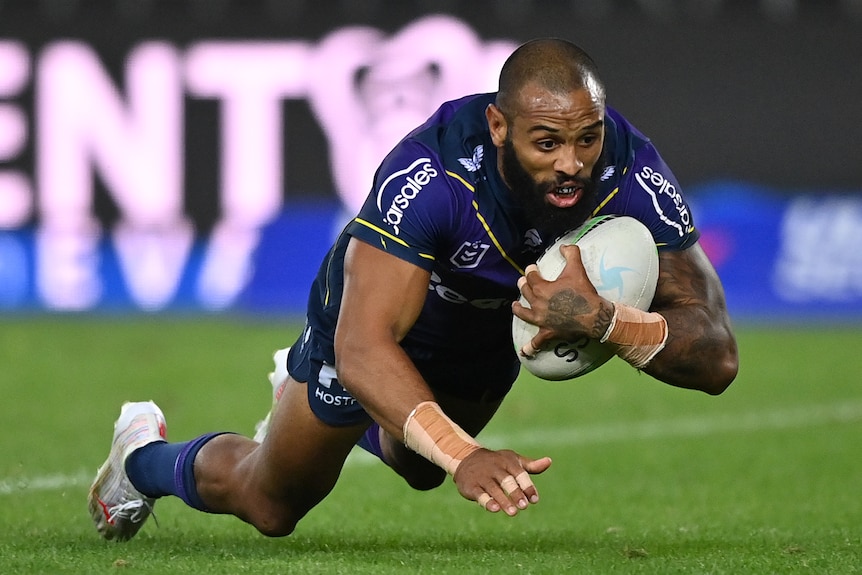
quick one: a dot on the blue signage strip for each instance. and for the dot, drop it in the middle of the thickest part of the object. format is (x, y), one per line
(784, 256)
(781, 257)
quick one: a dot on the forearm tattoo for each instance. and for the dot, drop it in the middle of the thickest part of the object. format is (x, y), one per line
(603, 319)
(691, 299)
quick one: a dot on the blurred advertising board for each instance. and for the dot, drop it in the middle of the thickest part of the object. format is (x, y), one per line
(149, 183)
(168, 155)
(782, 257)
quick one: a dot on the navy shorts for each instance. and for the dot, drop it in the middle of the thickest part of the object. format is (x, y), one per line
(487, 379)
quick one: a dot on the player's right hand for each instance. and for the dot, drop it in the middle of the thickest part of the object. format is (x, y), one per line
(565, 308)
(499, 480)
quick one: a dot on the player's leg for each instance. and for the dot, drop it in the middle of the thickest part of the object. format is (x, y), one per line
(470, 393)
(272, 485)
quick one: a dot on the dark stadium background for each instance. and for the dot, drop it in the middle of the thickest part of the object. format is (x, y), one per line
(755, 105)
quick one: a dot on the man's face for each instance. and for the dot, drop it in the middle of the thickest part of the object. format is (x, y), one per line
(532, 194)
(549, 154)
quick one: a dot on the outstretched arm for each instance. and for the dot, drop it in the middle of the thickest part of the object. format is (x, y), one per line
(383, 296)
(700, 351)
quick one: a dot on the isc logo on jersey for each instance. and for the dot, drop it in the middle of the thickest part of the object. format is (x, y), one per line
(406, 185)
(655, 184)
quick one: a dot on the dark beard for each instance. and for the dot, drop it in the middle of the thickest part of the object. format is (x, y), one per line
(550, 221)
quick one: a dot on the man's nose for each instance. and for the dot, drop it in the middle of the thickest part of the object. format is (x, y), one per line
(568, 162)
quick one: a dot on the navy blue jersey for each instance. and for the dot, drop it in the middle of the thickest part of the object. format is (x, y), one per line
(438, 201)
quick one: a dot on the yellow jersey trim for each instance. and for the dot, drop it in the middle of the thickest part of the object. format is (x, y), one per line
(605, 201)
(485, 224)
(386, 234)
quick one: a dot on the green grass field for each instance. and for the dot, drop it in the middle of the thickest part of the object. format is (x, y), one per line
(766, 478)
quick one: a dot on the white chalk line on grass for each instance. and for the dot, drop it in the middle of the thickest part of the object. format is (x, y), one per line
(691, 426)
(775, 419)
(52, 482)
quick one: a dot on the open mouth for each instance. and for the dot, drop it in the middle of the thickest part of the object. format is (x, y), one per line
(565, 196)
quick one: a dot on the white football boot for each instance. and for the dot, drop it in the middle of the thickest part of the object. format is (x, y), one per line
(277, 379)
(118, 509)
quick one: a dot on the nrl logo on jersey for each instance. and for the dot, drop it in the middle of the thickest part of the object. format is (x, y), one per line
(469, 255)
(473, 164)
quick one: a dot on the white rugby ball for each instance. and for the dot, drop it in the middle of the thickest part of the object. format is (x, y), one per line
(621, 260)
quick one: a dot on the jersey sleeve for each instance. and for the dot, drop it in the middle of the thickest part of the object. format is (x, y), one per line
(410, 208)
(653, 195)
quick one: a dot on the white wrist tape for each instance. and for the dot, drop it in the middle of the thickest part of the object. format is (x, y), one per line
(430, 433)
(639, 335)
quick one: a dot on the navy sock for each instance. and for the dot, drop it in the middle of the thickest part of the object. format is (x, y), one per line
(161, 468)
(147, 468)
(370, 442)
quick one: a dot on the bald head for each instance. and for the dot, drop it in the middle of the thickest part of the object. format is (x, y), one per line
(555, 65)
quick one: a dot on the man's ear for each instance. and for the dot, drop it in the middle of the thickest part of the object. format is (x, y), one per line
(496, 124)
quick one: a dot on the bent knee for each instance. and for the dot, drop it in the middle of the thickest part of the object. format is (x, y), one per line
(425, 480)
(274, 519)
(418, 472)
